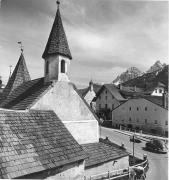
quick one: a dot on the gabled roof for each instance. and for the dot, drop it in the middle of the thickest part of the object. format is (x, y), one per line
(34, 141)
(57, 42)
(26, 94)
(29, 93)
(19, 76)
(157, 100)
(113, 90)
(102, 152)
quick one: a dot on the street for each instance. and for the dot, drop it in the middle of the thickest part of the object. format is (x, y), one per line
(158, 163)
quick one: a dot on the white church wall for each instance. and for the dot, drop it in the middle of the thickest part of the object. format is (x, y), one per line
(71, 109)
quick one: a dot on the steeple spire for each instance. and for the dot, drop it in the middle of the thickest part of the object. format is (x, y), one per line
(57, 43)
(19, 76)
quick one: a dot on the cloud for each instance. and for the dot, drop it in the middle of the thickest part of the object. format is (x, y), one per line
(105, 37)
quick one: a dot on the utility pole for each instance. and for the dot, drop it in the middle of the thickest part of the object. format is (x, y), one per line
(133, 149)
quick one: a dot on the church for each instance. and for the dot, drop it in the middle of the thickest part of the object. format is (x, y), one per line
(47, 129)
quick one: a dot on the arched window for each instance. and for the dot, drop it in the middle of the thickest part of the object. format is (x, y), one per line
(47, 67)
(62, 66)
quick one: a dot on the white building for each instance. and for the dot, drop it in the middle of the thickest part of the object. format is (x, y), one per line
(145, 113)
(108, 98)
(158, 90)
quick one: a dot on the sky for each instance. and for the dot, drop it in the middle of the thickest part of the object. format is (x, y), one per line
(105, 36)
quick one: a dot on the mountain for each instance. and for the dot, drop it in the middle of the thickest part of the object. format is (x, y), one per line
(148, 80)
(129, 74)
(156, 67)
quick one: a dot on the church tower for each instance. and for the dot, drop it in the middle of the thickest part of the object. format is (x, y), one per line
(57, 54)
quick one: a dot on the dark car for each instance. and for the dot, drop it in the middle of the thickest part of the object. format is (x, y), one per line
(156, 145)
(135, 139)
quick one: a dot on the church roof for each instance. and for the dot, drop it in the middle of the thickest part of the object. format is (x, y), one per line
(34, 141)
(57, 42)
(25, 94)
(19, 76)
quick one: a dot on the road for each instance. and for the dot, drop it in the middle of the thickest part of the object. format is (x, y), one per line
(158, 163)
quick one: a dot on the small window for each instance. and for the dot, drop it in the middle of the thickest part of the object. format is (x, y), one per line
(62, 66)
(137, 109)
(166, 123)
(155, 122)
(145, 108)
(155, 90)
(145, 121)
(130, 108)
(160, 91)
(106, 106)
(130, 119)
(106, 91)
(112, 106)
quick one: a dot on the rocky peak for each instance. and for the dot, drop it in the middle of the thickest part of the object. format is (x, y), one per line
(156, 67)
(130, 73)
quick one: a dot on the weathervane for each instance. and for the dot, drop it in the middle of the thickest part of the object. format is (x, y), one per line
(21, 46)
(58, 3)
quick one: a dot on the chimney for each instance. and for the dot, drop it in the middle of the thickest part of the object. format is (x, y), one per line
(165, 99)
(91, 85)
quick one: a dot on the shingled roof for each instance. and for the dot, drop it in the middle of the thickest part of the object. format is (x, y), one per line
(25, 94)
(114, 91)
(102, 152)
(34, 141)
(57, 42)
(19, 76)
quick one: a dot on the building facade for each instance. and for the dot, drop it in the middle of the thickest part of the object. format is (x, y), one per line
(107, 99)
(141, 114)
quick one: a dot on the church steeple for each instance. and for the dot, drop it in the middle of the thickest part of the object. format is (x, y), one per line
(19, 76)
(57, 43)
(57, 53)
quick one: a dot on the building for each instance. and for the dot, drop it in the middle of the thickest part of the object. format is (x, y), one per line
(107, 99)
(47, 128)
(158, 90)
(89, 93)
(147, 113)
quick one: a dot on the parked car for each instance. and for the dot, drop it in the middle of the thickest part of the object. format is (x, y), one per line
(156, 145)
(135, 139)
